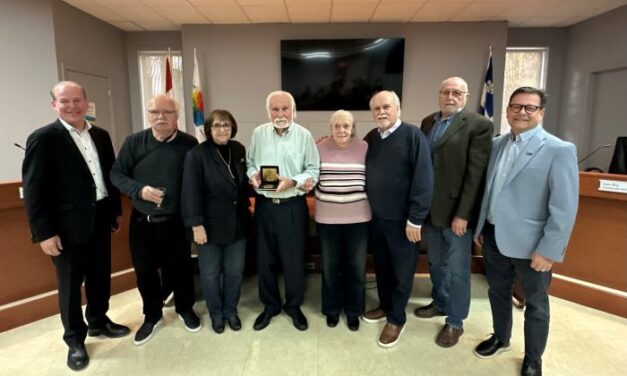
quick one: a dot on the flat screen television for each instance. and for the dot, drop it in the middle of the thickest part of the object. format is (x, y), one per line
(332, 74)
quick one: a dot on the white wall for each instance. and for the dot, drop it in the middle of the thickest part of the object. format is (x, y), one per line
(29, 70)
(240, 65)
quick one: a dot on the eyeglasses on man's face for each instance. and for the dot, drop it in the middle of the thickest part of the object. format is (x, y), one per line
(529, 108)
(455, 93)
(156, 113)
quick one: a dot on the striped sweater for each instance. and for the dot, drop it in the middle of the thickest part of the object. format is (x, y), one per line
(340, 193)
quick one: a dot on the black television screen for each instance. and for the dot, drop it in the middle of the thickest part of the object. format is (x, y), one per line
(330, 74)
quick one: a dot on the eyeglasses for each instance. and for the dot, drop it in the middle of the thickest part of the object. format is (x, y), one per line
(455, 93)
(223, 127)
(156, 113)
(529, 108)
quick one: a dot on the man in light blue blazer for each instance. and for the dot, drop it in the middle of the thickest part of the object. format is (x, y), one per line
(527, 214)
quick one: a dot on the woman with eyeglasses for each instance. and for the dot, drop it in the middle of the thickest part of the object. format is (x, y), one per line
(215, 204)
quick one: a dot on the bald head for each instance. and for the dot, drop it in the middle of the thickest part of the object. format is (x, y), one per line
(453, 96)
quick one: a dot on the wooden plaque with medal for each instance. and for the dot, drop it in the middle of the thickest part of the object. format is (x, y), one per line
(269, 178)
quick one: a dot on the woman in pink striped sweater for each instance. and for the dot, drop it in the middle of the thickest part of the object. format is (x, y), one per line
(342, 216)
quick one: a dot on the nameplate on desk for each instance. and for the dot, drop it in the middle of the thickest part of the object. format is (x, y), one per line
(613, 186)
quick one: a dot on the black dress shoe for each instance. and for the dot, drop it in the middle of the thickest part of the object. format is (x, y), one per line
(77, 357)
(490, 347)
(263, 320)
(217, 324)
(352, 322)
(110, 330)
(531, 367)
(332, 321)
(234, 323)
(298, 319)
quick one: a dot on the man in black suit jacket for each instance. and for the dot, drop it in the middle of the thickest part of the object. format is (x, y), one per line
(72, 207)
(460, 142)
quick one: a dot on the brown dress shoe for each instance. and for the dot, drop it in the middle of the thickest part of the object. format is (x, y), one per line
(448, 336)
(374, 316)
(390, 335)
(428, 311)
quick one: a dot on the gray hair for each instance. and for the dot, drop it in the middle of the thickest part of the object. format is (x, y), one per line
(344, 114)
(277, 93)
(395, 98)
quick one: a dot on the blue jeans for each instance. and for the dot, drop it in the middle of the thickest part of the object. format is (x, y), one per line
(449, 267)
(222, 297)
(343, 248)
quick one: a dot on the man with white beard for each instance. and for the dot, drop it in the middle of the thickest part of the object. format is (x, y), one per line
(281, 214)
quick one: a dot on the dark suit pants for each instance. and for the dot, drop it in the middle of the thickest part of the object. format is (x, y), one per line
(161, 246)
(343, 248)
(394, 263)
(281, 230)
(500, 272)
(91, 263)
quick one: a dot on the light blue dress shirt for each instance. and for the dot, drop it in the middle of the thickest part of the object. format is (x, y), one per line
(510, 153)
(294, 152)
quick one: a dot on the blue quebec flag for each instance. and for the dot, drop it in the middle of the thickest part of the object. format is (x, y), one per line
(487, 96)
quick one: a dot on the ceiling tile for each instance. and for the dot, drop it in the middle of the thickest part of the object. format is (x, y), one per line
(266, 13)
(116, 3)
(431, 11)
(308, 2)
(164, 3)
(213, 2)
(126, 25)
(103, 13)
(228, 14)
(352, 13)
(395, 12)
(481, 11)
(139, 14)
(260, 2)
(309, 13)
(164, 25)
(181, 15)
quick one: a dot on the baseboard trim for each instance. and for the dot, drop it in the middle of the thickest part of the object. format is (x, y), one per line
(590, 295)
(40, 306)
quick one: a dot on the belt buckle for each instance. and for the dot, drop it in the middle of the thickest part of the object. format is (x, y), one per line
(148, 217)
(276, 200)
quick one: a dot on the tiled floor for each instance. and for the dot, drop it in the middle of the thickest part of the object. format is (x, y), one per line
(582, 341)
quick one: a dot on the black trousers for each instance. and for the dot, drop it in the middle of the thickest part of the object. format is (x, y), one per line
(281, 230)
(500, 272)
(89, 263)
(161, 246)
(395, 260)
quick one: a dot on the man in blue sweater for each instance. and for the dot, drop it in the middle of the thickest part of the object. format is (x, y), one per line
(399, 182)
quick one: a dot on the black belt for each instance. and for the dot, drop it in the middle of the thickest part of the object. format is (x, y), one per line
(280, 200)
(153, 218)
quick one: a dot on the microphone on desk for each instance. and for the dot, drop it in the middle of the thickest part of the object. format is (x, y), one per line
(19, 146)
(593, 152)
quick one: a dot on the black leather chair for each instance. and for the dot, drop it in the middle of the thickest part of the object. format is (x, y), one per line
(619, 160)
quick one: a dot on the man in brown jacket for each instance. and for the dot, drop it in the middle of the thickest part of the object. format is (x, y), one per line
(460, 142)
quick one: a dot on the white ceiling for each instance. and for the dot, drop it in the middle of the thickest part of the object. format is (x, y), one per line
(153, 15)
